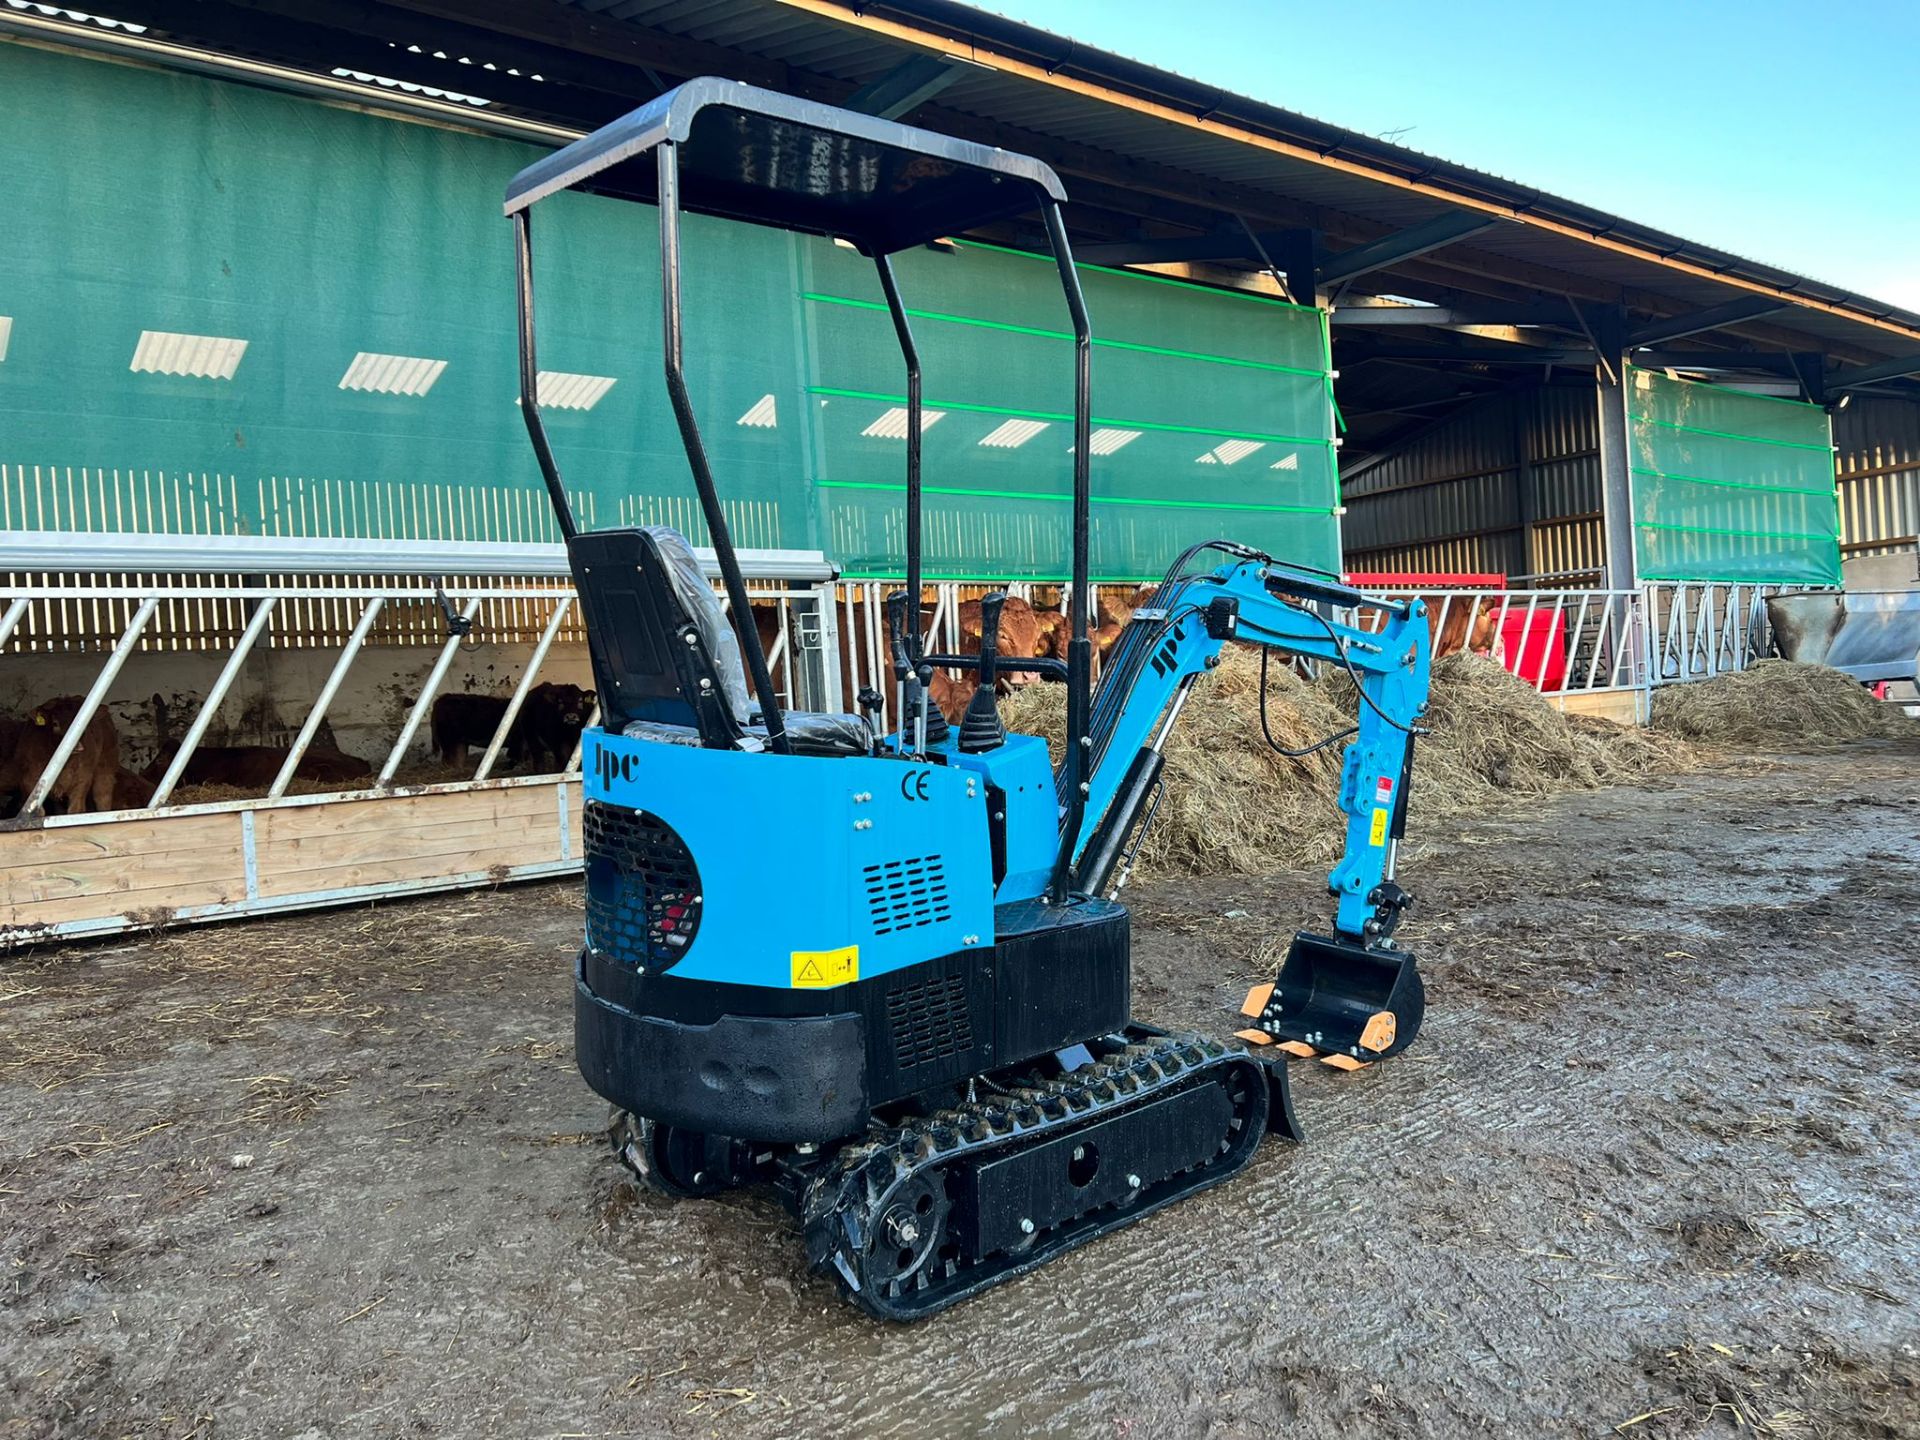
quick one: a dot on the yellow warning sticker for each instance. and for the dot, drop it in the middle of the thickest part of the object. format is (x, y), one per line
(1379, 832)
(819, 969)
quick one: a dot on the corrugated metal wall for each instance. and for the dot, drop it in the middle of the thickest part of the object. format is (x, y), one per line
(1452, 498)
(1510, 483)
(1879, 465)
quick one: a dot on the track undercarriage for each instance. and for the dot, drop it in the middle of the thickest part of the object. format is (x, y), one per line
(927, 1209)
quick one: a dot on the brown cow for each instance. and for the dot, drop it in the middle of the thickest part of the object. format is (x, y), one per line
(1117, 609)
(1025, 634)
(242, 767)
(254, 767)
(458, 721)
(87, 782)
(1114, 611)
(952, 693)
(131, 791)
(12, 787)
(1471, 623)
(549, 724)
(1470, 627)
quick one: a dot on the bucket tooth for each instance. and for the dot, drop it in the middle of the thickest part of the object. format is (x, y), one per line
(1256, 1001)
(1253, 1037)
(1379, 1032)
(1348, 1003)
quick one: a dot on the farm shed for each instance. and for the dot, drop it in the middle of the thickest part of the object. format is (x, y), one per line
(309, 383)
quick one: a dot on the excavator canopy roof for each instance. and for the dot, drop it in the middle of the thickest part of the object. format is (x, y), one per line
(771, 159)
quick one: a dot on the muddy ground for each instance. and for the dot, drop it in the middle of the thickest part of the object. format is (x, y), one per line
(1653, 1168)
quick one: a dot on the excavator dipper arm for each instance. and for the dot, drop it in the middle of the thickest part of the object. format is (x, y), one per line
(1333, 990)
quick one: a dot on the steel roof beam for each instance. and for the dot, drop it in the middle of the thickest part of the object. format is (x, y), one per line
(1872, 374)
(1772, 362)
(1406, 244)
(1750, 307)
(392, 28)
(1223, 245)
(908, 85)
(1473, 354)
(1468, 314)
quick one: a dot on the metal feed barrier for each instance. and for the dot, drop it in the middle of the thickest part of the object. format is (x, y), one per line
(408, 826)
(399, 831)
(1565, 643)
(1696, 631)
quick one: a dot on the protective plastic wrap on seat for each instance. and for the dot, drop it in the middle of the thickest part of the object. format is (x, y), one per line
(696, 597)
(818, 733)
(811, 732)
(661, 733)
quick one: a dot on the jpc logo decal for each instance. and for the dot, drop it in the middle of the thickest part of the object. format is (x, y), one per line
(609, 767)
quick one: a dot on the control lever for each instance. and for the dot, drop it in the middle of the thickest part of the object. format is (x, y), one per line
(912, 687)
(897, 635)
(869, 702)
(937, 728)
(980, 727)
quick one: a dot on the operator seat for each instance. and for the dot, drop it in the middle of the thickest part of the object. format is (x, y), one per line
(665, 659)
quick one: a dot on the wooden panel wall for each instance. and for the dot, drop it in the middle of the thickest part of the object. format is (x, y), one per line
(89, 876)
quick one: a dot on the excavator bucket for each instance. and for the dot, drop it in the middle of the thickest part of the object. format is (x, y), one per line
(1346, 1005)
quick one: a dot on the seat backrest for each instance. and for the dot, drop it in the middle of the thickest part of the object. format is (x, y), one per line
(661, 646)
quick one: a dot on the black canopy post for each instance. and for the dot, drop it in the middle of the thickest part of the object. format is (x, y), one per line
(1079, 648)
(721, 148)
(903, 331)
(667, 158)
(530, 377)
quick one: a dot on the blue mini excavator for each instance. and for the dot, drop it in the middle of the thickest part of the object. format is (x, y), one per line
(881, 968)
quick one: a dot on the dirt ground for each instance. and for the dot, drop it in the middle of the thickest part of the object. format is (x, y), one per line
(1652, 1169)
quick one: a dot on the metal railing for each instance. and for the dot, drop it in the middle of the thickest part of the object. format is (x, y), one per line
(1564, 641)
(826, 643)
(1561, 642)
(1697, 630)
(802, 655)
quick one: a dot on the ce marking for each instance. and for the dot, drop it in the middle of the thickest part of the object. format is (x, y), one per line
(913, 784)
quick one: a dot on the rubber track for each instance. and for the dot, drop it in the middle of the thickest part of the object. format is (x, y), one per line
(846, 1201)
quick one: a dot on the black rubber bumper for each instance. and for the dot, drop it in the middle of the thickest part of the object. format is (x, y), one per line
(786, 1079)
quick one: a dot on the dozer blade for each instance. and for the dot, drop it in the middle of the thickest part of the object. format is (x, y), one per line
(1346, 1004)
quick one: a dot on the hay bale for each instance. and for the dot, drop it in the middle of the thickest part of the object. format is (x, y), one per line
(1778, 704)
(1233, 806)
(212, 793)
(1496, 739)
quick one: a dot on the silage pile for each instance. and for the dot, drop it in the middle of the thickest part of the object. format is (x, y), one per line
(1233, 806)
(1779, 704)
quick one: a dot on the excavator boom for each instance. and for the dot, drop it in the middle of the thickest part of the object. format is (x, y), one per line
(1352, 996)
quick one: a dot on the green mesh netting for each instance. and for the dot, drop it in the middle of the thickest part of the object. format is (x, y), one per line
(326, 238)
(1730, 486)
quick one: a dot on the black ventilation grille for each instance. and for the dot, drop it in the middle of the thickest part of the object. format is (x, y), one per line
(906, 894)
(929, 1022)
(643, 889)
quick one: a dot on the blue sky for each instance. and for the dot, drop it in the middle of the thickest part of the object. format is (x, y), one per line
(1784, 132)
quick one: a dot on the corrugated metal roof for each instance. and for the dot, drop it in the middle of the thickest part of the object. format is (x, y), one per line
(1144, 145)
(1343, 171)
